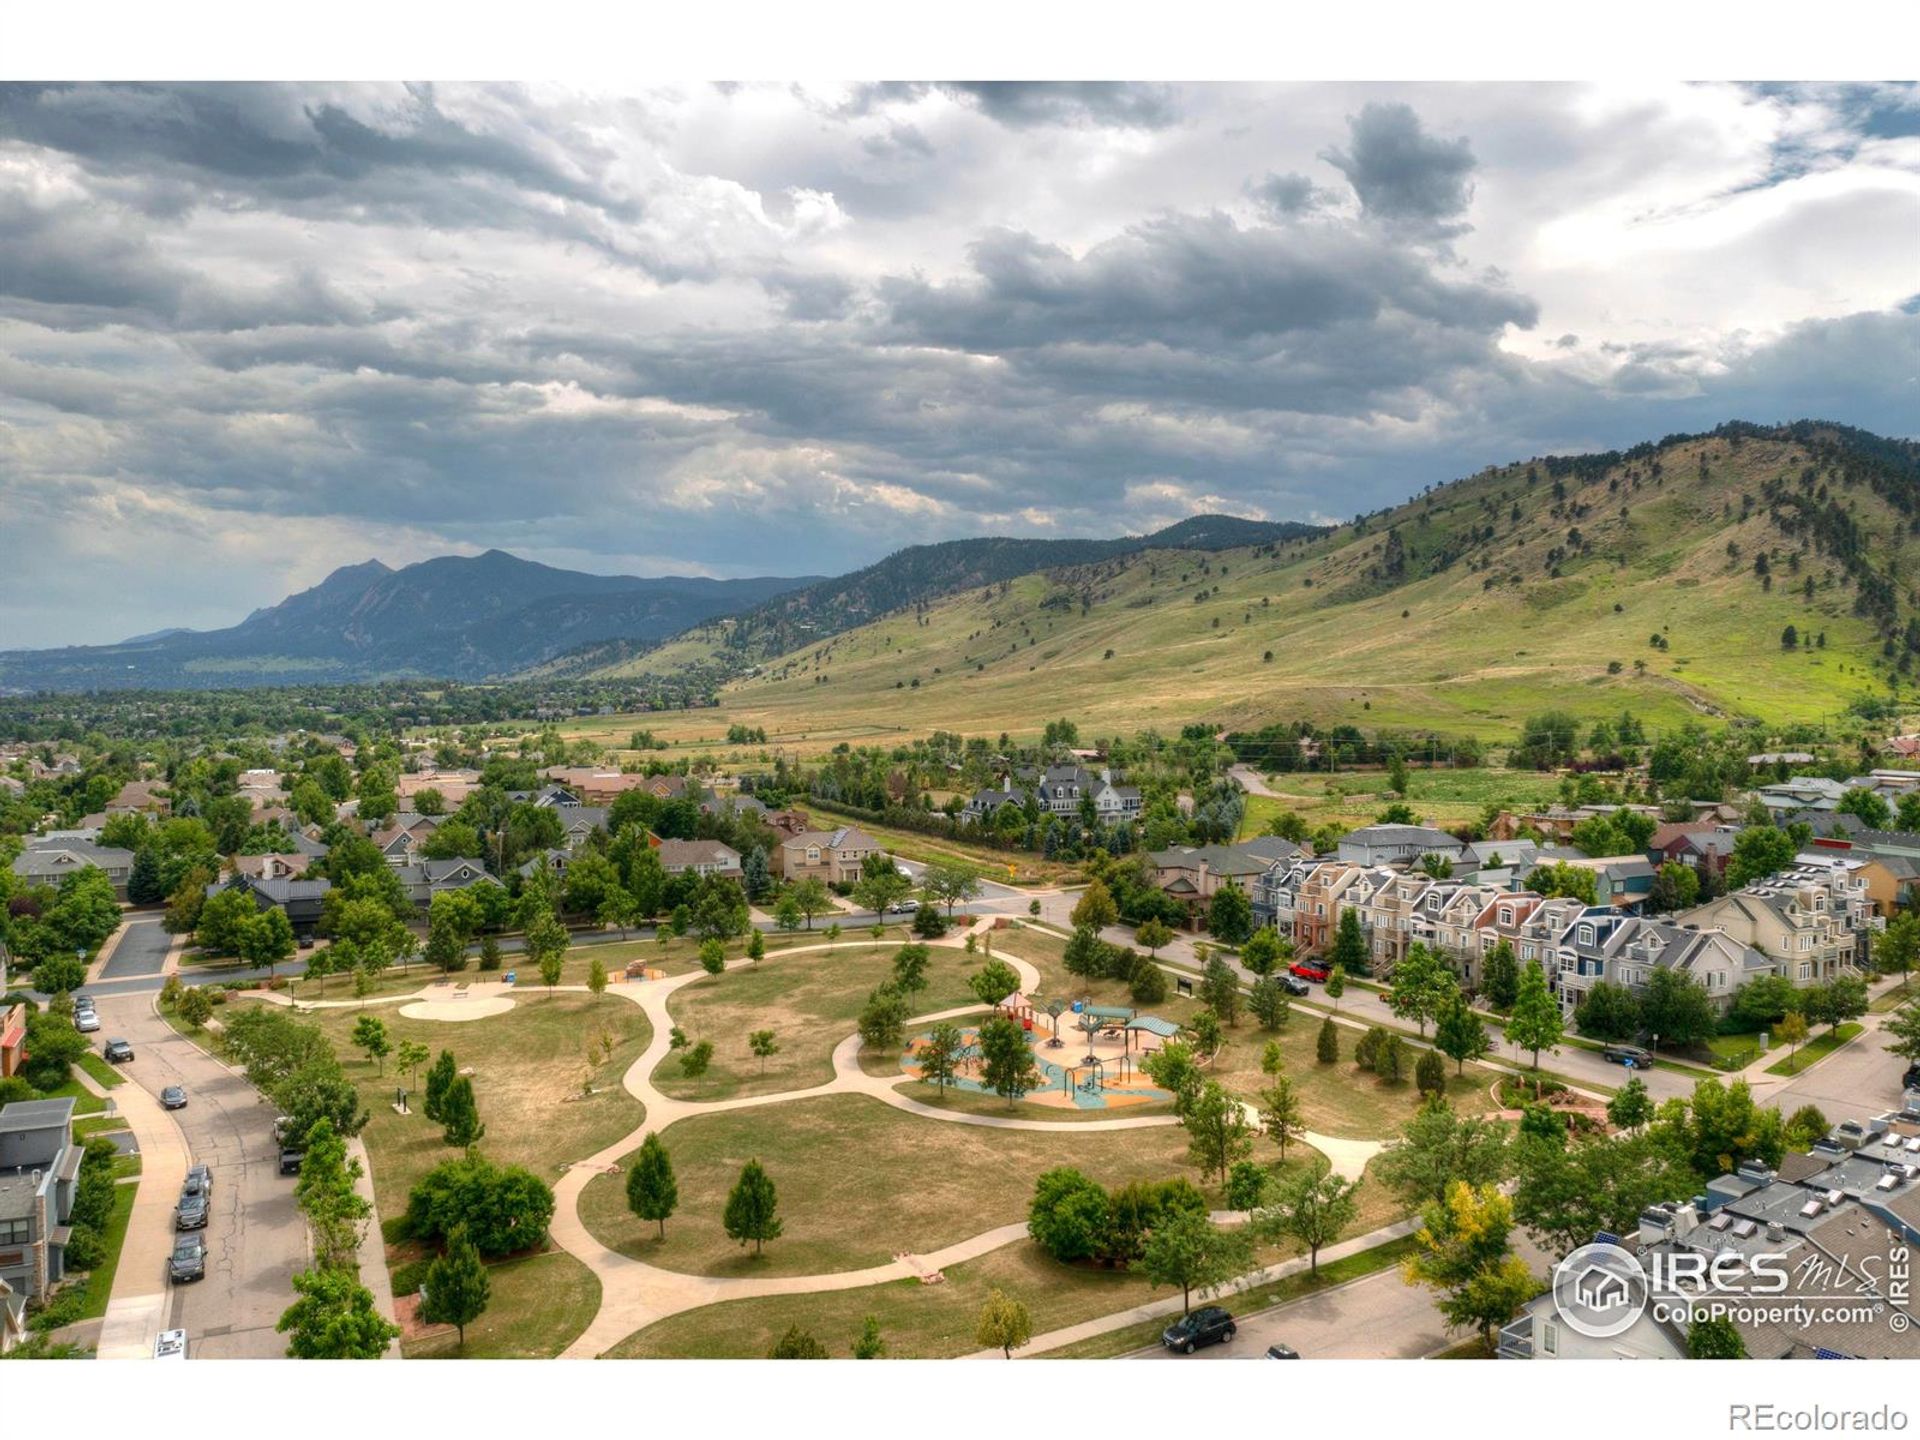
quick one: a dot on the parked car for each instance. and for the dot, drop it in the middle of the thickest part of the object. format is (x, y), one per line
(290, 1161)
(199, 1181)
(1277, 1351)
(1911, 1080)
(191, 1213)
(1209, 1325)
(1631, 1056)
(282, 1129)
(189, 1259)
(118, 1051)
(82, 1000)
(1310, 970)
(905, 906)
(85, 1021)
(1295, 985)
(174, 1097)
(172, 1345)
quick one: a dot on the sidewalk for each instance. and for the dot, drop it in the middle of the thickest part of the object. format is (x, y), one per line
(373, 1247)
(137, 1306)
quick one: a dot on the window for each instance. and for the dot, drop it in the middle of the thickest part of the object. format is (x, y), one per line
(1586, 934)
(1806, 970)
(16, 1232)
(1549, 1337)
(1506, 915)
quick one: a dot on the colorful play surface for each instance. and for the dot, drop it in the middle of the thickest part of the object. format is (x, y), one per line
(1111, 1080)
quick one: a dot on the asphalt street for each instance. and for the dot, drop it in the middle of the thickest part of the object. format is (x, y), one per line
(256, 1237)
(141, 951)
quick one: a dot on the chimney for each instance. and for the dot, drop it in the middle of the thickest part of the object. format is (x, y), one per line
(1776, 1232)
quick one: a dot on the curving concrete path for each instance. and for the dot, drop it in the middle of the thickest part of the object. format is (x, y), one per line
(635, 1294)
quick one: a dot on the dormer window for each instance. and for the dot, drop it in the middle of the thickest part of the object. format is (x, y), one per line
(1586, 934)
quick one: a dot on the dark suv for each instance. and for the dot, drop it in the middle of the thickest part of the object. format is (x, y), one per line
(1209, 1325)
(191, 1212)
(1911, 1081)
(189, 1259)
(119, 1051)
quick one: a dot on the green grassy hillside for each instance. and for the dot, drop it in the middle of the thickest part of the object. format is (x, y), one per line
(1534, 585)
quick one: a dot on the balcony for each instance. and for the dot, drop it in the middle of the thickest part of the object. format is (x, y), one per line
(1516, 1340)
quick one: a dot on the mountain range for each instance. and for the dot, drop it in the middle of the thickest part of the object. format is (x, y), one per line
(455, 617)
(493, 616)
(1756, 571)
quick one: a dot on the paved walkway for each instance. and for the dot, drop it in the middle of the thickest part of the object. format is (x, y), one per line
(137, 1304)
(634, 1294)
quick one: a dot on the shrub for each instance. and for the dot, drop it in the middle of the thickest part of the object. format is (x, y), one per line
(504, 1208)
(1326, 1048)
(1149, 983)
(1431, 1074)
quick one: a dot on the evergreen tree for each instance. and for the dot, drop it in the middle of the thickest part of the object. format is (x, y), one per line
(1327, 1045)
(752, 1208)
(439, 1079)
(1350, 944)
(457, 1288)
(460, 1115)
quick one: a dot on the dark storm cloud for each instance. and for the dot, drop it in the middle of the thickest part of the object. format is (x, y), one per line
(263, 330)
(1402, 174)
(1285, 195)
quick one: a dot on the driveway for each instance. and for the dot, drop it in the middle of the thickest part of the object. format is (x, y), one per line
(141, 949)
(256, 1238)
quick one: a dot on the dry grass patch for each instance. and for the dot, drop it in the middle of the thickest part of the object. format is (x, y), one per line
(811, 1001)
(860, 1182)
(529, 1066)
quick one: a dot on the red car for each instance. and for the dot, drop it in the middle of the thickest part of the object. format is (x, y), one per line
(1309, 970)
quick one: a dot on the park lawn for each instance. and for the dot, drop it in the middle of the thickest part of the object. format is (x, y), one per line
(811, 1001)
(528, 1066)
(92, 1125)
(1339, 1099)
(859, 1182)
(102, 1073)
(538, 1304)
(1818, 1048)
(927, 1321)
(100, 1279)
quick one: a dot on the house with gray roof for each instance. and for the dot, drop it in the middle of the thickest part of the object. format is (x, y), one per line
(1397, 844)
(49, 859)
(39, 1176)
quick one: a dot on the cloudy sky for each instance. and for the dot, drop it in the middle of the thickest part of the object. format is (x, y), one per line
(248, 334)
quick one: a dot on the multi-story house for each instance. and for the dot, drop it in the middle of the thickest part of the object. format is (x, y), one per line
(39, 1175)
(1813, 917)
(1192, 874)
(1276, 891)
(1388, 907)
(1396, 844)
(1317, 911)
(1060, 790)
(1449, 923)
(834, 856)
(1579, 960)
(49, 859)
(1541, 929)
(701, 857)
(1502, 918)
(1720, 963)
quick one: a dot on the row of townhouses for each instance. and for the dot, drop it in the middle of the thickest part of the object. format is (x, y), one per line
(1809, 923)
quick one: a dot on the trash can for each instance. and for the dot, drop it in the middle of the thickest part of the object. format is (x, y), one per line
(1077, 1006)
(508, 977)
